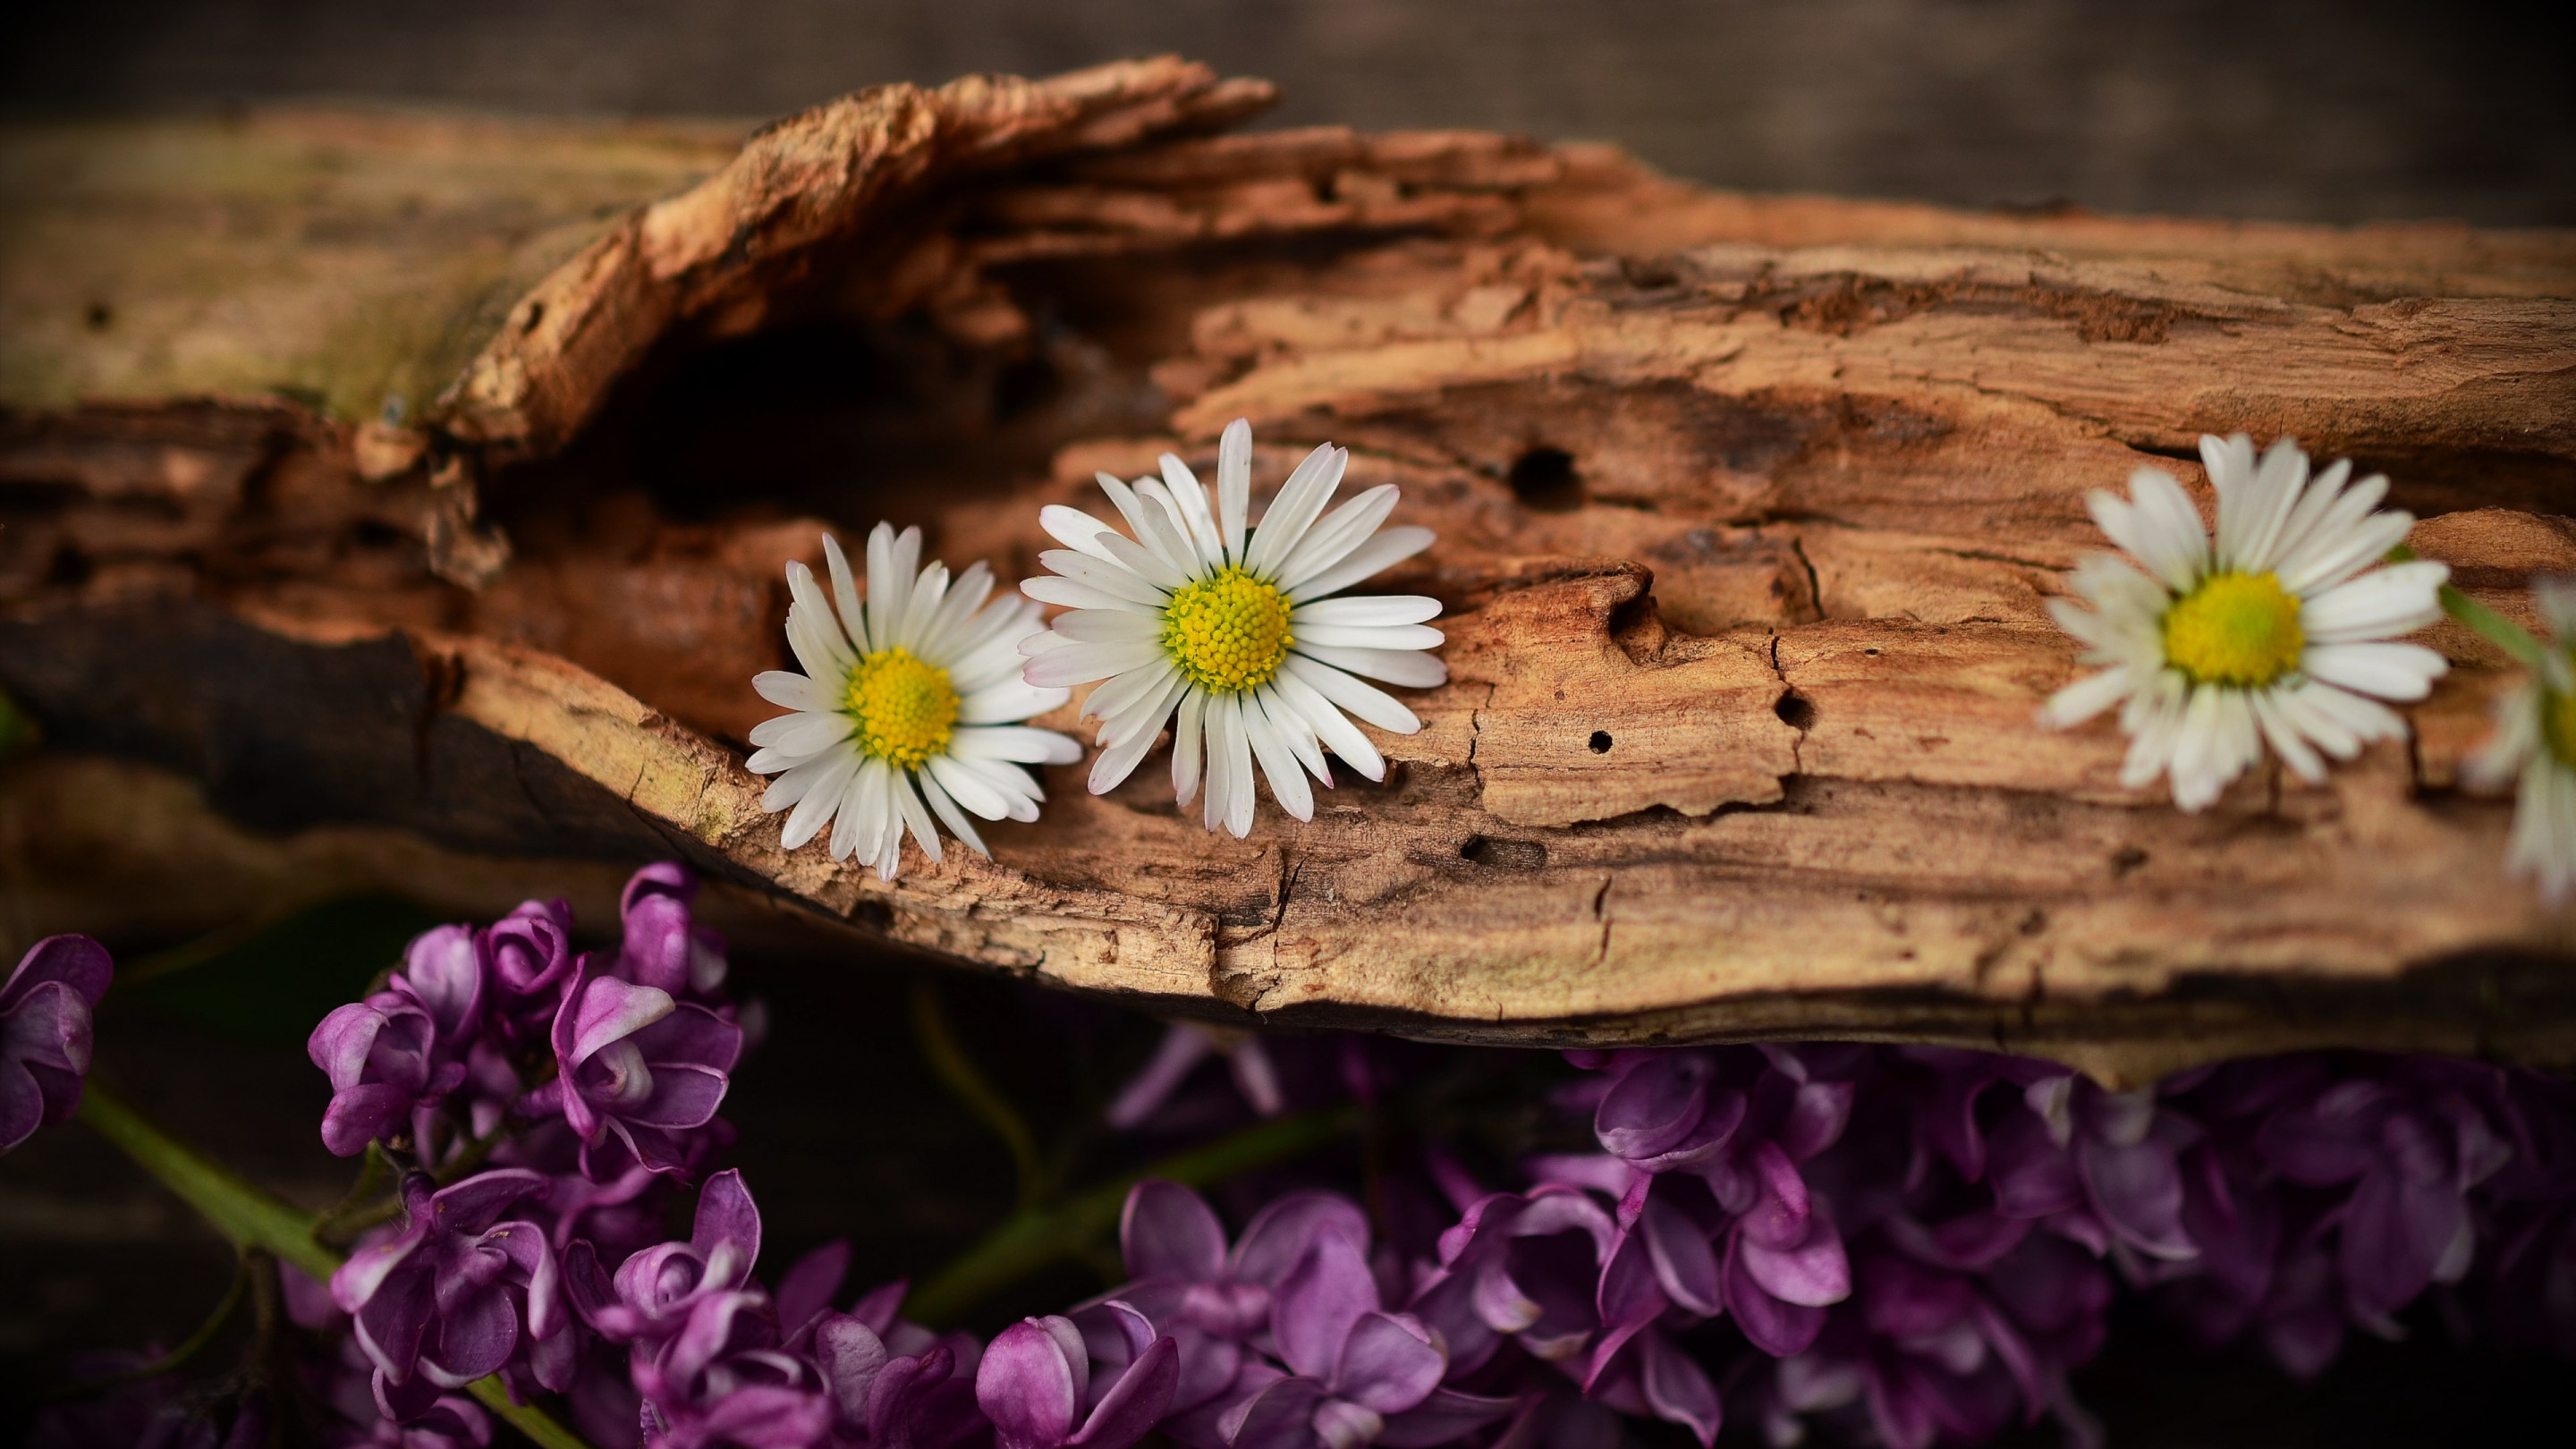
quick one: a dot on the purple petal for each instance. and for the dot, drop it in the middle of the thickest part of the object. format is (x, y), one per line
(2033, 1175)
(767, 1416)
(1447, 1305)
(1965, 1243)
(2333, 1139)
(1276, 1239)
(1278, 1417)
(602, 1009)
(851, 1357)
(1815, 1119)
(1901, 1300)
(1316, 1304)
(1445, 1417)
(2138, 1191)
(1684, 1259)
(726, 1214)
(1629, 1293)
(475, 1338)
(1678, 1390)
(1026, 1388)
(694, 1035)
(1653, 1107)
(75, 961)
(1168, 1231)
(1142, 1396)
(810, 1285)
(1776, 1327)
(1813, 1274)
(1388, 1364)
(476, 1203)
(2394, 1233)
(1779, 1215)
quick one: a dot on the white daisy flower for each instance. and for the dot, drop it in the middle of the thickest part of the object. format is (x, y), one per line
(1232, 636)
(2279, 634)
(2535, 742)
(910, 695)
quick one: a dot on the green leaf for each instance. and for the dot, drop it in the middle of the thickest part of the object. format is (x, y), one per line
(266, 981)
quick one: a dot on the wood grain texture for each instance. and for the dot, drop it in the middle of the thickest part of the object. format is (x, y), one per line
(1748, 509)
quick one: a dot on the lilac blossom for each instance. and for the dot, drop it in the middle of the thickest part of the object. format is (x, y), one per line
(528, 956)
(637, 1071)
(653, 1292)
(663, 946)
(455, 1292)
(1037, 1386)
(45, 1033)
(381, 1056)
(1215, 1303)
(1358, 1375)
(723, 1379)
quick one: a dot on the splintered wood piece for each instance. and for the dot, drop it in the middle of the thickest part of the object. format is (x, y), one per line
(1749, 510)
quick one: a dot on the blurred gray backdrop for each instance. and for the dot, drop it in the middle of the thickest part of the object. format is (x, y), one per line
(2296, 109)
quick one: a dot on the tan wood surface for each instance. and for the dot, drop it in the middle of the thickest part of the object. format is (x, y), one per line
(1747, 509)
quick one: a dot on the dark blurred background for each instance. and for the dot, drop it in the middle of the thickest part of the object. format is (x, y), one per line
(2315, 110)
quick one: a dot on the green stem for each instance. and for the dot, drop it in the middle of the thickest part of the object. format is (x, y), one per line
(2498, 630)
(1032, 1238)
(254, 1219)
(240, 1211)
(949, 1061)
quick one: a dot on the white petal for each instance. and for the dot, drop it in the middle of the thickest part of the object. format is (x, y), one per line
(2153, 717)
(2555, 599)
(2376, 605)
(1234, 486)
(803, 734)
(2365, 719)
(799, 781)
(1345, 528)
(968, 787)
(1370, 636)
(1368, 609)
(1119, 759)
(1083, 663)
(1285, 523)
(1015, 742)
(1050, 589)
(915, 817)
(794, 691)
(1126, 690)
(946, 809)
(1156, 519)
(1076, 529)
(1115, 577)
(1278, 765)
(1144, 562)
(2329, 558)
(1337, 732)
(1192, 503)
(1230, 788)
(2283, 735)
(1373, 557)
(1294, 732)
(2157, 526)
(883, 588)
(1008, 702)
(2390, 671)
(845, 594)
(1141, 718)
(1395, 666)
(929, 591)
(1371, 704)
(827, 638)
(2513, 746)
(863, 812)
(944, 633)
(1106, 626)
(1189, 726)
(2086, 697)
(2251, 513)
(822, 797)
(2217, 742)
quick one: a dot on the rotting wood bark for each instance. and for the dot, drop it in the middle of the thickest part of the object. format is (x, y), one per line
(1747, 506)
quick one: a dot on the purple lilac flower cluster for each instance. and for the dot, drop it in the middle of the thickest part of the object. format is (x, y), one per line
(1905, 1246)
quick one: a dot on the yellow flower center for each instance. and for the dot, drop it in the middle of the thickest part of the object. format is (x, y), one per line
(2558, 723)
(1228, 632)
(906, 708)
(2235, 628)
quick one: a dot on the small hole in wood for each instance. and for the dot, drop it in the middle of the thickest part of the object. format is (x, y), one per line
(1505, 854)
(536, 315)
(1796, 711)
(1600, 742)
(1544, 479)
(99, 316)
(1872, 653)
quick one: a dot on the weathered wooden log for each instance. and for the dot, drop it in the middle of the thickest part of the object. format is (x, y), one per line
(1747, 510)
